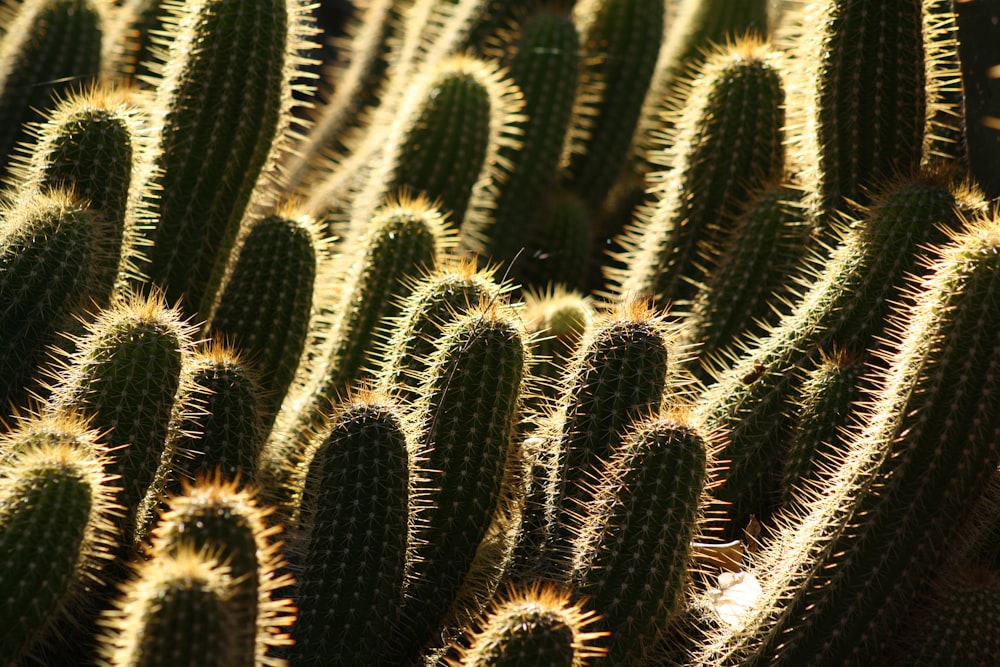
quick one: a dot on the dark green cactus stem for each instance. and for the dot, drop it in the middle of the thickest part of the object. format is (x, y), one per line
(463, 476)
(557, 318)
(124, 375)
(265, 304)
(48, 47)
(696, 26)
(828, 400)
(224, 100)
(350, 553)
(845, 307)
(223, 430)
(179, 610)
(453, 121)
(56, 528)
(95, 143)
(864, 75)
(558, 248)
(402, 241)
(620, 42)
(633, 551)
(55, 264)
(727, 144)
(544, 66)
(536, 625)
(749, 288)
(451, 289)
(145, 37)
(836, 583)
(213, 517)
(618, 375)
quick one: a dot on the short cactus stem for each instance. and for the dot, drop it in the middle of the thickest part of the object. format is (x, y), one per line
(619, 374)
(213, 517)
(57, 526)
(558, 250)
(179, 610)
(632, 552)
(349, 554)
(466, 464)
(537, 624)
(837, 581)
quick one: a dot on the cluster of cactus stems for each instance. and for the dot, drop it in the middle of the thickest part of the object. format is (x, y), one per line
(512, 332)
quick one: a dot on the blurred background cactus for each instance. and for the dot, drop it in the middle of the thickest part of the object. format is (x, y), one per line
(500, 332)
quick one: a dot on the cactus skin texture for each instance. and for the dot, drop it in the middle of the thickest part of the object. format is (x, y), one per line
(350, 552)
(846, 307)
(632, 553)
(865, 78)
(728, 143)
(559, 246)
(619, 375)
(620, 42)
(54, 265)
(264, 305)
(48, 46)
(224, 98)
(535, 625)
(124, 375)
(835, 582)
(57, 506)
(463, 470)
(214, 518)
(544, 66)
(179, 610)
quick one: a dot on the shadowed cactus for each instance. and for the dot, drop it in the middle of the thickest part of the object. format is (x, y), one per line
(57, 526)
(537, 625)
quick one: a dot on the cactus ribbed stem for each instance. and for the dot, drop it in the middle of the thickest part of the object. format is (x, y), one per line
(57, 506)
(350, 553)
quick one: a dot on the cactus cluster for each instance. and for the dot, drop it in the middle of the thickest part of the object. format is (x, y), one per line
(639, 333)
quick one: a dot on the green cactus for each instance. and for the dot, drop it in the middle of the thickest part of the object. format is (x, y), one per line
(350, 552)
(48, 47)
(536, 625)
(465, 466)
(557, 318)
(619, 374)
(124, 375)
(544, 66)
(846, 306)
(620, 42)
(214, 518)
(728, 143)
(179, 610)
(223, 108)
(57, 528)
(559, 246)
(632, 554)
(863, 76)
(56, 263)
(836, 581)
(265, 302)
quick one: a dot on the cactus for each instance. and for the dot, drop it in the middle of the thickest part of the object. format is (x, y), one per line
(350, 553)
(620, 42)
(464, 467)
(214, 519)
(538, 625)
(48, 46)
(179, 610)
(634, 546)
(56, 264)
(728, 142)
(836, 581)
(57, 528)
(223, 109)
